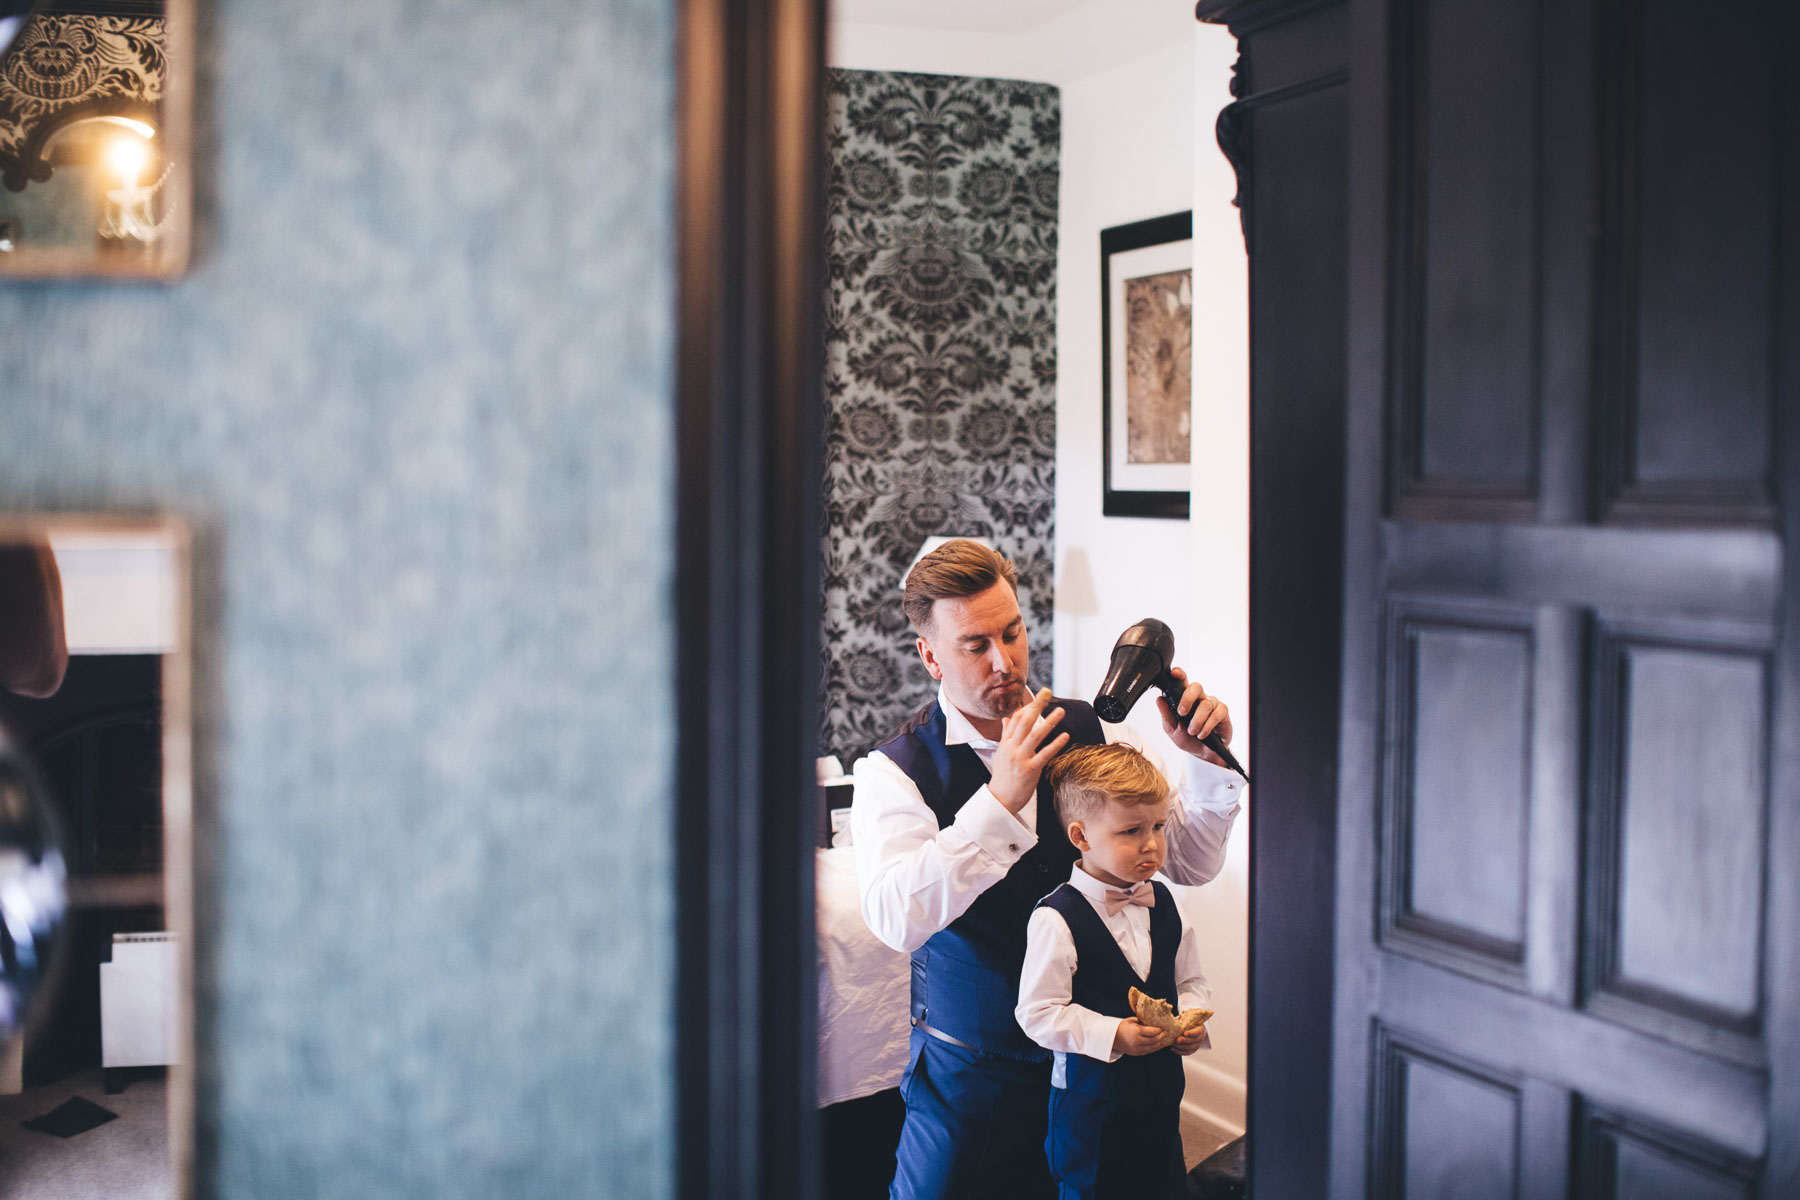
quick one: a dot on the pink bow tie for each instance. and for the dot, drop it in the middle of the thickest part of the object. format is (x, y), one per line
(1117, 901)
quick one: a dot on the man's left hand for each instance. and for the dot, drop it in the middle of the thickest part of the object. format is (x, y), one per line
(1200, 715)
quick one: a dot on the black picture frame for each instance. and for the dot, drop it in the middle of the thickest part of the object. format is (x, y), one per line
(1119, 498)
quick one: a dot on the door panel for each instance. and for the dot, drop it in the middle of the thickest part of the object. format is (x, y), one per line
(1467, 419)
(1689, 151)
(1446, 1129)
(1677, 852)
(1627, 1159)
(1457, 804)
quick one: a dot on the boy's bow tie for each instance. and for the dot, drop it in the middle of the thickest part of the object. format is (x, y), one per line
(1116, 900)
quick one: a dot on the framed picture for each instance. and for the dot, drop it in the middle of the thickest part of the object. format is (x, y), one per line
(1146, 360)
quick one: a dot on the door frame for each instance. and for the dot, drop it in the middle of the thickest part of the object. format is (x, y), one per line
(1297, 544)
(750, 463)
(749, 407)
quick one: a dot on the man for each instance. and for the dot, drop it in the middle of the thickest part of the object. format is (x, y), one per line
(946, 823)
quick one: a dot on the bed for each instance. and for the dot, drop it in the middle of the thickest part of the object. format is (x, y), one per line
(863, 991)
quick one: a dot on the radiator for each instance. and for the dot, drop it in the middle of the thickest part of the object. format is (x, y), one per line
(140, 1001)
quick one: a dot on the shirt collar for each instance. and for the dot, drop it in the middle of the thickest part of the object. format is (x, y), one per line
(958, 730)
(1090, 887)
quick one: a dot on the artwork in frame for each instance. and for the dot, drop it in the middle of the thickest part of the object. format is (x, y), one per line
(1146, 323)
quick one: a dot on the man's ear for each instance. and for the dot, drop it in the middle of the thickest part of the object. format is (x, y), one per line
(1078, 835)
(930, 659)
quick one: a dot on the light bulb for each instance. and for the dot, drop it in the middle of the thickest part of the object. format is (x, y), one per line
(127, 156)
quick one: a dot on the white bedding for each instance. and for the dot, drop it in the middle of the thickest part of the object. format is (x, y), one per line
(863, 991)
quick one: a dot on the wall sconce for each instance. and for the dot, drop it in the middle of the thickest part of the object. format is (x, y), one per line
(131, 212)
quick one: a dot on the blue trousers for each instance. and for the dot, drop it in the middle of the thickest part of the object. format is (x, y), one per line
(975, 1126)
(1127, 1147)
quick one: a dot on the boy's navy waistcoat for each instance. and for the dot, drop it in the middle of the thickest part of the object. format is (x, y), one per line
(965, 978)
(1103, 981)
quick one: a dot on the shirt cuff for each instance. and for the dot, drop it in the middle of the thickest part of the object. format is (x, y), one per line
(1209, 786)
(1099, 1036)
(994, 827)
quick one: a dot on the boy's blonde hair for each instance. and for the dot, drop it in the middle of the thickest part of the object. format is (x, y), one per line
(1084, 778)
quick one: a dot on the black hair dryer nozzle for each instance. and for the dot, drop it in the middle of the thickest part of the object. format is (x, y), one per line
(1140, 661)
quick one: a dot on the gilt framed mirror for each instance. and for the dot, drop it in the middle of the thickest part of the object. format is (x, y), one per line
(95, 116)
(96, 1092)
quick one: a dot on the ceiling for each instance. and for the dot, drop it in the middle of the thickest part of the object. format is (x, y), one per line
(972, 16)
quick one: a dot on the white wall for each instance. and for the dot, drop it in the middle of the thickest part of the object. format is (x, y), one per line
(1141, 86)
(1127, 154)
(1138, 142)
(1074, 43)
(1219, 538)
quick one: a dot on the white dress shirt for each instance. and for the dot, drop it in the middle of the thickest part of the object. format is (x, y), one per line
(916, 878)
(1045, 1010)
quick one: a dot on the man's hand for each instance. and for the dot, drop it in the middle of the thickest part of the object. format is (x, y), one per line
(1136, 1038)
(1200, 715)
(1190, 1041)
(1023, 753)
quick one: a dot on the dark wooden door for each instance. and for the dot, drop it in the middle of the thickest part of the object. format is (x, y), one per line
(1568, 832)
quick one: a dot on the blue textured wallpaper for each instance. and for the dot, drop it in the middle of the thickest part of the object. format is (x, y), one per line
(416, 396)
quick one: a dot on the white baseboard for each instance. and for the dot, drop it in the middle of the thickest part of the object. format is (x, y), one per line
(1204, 1132)
(1212, 1110)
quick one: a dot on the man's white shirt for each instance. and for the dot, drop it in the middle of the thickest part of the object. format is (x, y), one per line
(916, 877)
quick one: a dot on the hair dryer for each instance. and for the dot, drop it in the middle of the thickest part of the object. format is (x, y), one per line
(1140, 661)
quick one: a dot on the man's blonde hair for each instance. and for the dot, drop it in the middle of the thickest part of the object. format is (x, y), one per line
(1084, 778)
(955, 570)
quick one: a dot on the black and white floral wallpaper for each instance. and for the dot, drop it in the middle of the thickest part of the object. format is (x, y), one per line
(69, 62)
(940, 365)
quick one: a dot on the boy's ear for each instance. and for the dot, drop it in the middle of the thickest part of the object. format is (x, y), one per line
(1078, 835)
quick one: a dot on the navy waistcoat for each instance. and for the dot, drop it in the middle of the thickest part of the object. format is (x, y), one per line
(1103, 982)
(965, 978)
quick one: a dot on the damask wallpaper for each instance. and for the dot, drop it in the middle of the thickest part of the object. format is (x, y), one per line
(940, 365)
(69, 64)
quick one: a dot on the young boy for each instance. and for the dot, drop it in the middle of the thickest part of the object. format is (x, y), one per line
(1115, 1099)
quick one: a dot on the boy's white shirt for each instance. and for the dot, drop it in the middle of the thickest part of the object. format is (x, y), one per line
(1046, 1011)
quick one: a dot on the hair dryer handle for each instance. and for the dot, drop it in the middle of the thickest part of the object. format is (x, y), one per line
(1214, 741)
